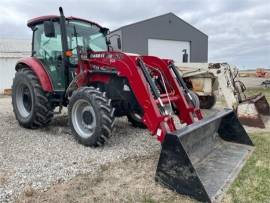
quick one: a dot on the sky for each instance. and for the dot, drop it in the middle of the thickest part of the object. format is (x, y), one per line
(238, 30)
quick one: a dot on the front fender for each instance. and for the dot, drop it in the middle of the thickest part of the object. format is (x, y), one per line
(38, 68)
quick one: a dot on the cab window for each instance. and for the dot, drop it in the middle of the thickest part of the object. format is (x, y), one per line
(49, 51)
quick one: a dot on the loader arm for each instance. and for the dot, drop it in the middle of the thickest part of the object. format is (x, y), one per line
(226, 85)
(188, 110)
(129, 67)
(136, 70)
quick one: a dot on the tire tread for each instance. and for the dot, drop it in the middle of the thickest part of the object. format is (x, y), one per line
(106, 112)
(43, 111)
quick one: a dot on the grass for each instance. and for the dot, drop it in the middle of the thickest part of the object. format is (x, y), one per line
(253, 183)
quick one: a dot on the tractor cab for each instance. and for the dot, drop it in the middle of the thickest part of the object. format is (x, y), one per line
(56, 46)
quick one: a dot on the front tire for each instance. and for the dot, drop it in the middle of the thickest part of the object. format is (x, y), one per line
(30, 103)
(91, 116)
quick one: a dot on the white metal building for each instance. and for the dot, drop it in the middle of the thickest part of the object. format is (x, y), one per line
(10, 51)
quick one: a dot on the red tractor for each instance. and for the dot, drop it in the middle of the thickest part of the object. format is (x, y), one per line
(72, 66)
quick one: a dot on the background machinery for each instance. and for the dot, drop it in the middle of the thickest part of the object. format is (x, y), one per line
(205, 79)
(262, 73)
(72, 66)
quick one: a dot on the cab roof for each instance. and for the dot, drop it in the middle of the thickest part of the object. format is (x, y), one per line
(34, 21)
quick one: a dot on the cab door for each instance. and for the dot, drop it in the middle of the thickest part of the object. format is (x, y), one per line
(49, 51)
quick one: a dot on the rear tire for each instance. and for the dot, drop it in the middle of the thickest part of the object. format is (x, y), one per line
(91, 116)
(30, 103)
(207, 102)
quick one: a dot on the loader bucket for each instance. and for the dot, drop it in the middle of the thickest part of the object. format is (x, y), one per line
(201, 160)
(251, 111)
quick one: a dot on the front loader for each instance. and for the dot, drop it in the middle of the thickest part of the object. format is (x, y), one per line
(206, 78)
(72, 66)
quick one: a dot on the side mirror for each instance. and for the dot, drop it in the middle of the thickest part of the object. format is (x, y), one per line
(119, 46)
(49, 29)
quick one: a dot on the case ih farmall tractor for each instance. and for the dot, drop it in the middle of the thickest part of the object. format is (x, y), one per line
(71, 66)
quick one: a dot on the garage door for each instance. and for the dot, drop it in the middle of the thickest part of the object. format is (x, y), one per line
(168, 49)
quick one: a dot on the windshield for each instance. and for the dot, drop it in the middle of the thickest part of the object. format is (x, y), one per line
(86, 35)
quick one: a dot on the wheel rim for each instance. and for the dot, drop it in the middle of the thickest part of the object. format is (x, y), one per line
(24, 100)
(83, 118)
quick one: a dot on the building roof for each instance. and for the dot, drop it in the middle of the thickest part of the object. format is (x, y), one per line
(163, 15)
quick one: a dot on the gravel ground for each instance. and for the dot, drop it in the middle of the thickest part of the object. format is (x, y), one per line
(40, 158)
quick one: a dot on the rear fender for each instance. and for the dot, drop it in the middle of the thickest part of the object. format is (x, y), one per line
(38, 68)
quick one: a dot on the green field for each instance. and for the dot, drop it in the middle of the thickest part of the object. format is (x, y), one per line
(253, 183)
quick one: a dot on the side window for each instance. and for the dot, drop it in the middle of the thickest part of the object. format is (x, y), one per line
(97, 42)
(49, 51)
(47, 47)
